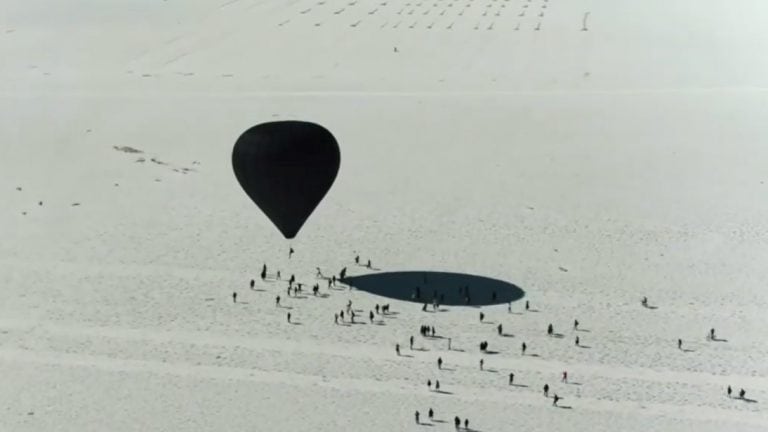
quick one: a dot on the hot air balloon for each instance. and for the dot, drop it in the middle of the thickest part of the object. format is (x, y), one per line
(286, 168)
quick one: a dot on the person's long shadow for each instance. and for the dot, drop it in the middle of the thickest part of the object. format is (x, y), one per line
(449, 287)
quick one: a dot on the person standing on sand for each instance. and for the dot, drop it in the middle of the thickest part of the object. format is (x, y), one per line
(742, 394)
(527, 305)
(277, 301)
(466, 424)
(481, 364)
(499, 329)
(546, 390)
(289, 317)
(290, 253)
(411, 341)
(575, 324)
(319, 273)
(253, 283)
(357, 259)
(234, 296)
(482, 316)
(278, 275)
(457, 422)
(509, 307)
(429, 385)
(335, 318)
(679, 344)
(397, 349)
(550, 330)
(440, 363)
(729, 390)
(524, 347)
(370, 316)
(511, 378)
(577, 341)
(263, 272)
(565, 377)
(437, 385)
(417, 417)
(431, 414)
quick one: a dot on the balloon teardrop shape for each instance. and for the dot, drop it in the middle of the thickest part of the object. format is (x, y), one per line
(286, 168)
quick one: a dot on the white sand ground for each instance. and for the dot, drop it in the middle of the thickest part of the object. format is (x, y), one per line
(632, 155)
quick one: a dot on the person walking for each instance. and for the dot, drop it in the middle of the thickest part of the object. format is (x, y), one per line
(546, 390)
(565, 377)
(431, 414)
(511, 378)
(417, 417)
(577, 341)
(466, 424)
(499, 329)
(439, 362)
(575, 324)
(457, 422)
(555, 399)
(253, 283)
(277, 301)
(290, 253)
(729, 390)
(524, 347)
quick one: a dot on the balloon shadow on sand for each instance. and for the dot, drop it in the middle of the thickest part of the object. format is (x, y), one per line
(450, 289)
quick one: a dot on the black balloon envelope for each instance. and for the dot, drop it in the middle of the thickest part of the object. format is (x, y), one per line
(286, 168)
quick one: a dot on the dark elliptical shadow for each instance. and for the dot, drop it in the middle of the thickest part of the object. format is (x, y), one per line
(449, 289)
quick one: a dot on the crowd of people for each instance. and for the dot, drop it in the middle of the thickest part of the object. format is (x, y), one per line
(348, 314)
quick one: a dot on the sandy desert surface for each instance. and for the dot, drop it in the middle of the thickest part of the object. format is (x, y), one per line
(493, 138)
